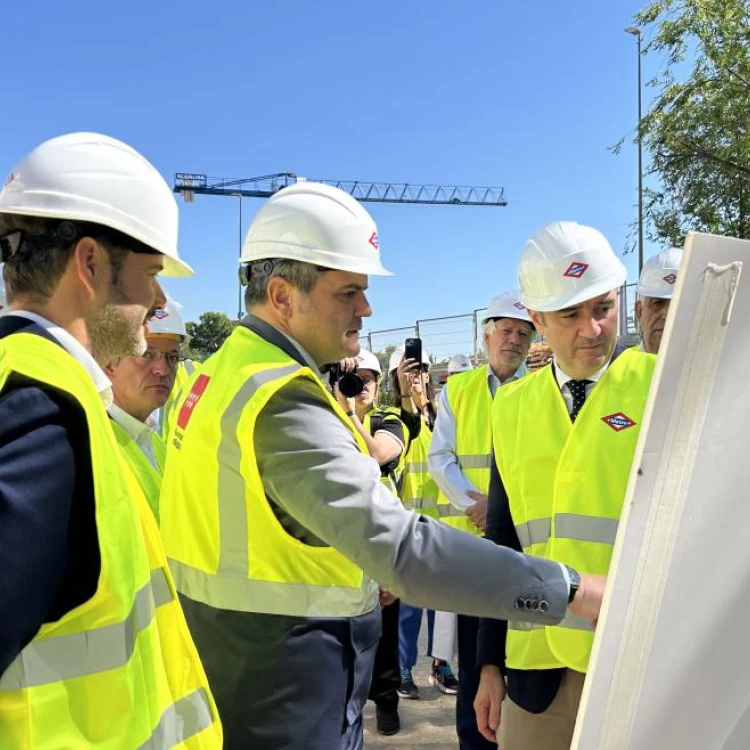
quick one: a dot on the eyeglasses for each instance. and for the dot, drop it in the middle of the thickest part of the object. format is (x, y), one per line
(171, 358)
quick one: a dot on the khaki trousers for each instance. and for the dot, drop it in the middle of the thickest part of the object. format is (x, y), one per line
(551, 730)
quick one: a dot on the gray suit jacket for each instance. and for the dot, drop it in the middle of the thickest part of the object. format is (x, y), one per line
(324, 490)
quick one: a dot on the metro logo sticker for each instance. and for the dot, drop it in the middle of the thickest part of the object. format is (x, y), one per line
(670, 279)
(618, 422)
(519, 306)
(576, 270)
(186, 410)
(374, 240)
(161, 314)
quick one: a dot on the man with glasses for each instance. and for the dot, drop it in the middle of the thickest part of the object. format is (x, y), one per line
(141, 384)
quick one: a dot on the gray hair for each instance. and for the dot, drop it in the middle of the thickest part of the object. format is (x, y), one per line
(302, 275)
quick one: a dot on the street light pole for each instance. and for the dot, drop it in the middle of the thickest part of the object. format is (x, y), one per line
(636, 32)
(239, 291)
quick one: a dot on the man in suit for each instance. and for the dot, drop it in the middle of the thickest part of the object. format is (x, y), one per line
(86, 600)
(656, 286)
(563, 442)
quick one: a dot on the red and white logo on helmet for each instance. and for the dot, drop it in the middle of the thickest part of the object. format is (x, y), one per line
(161, 314)
(670, 278)
(576, 270)
(374, 241)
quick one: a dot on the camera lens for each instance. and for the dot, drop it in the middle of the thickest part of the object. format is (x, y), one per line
(351, 385)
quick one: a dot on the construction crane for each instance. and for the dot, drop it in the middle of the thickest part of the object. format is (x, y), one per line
(190, 184)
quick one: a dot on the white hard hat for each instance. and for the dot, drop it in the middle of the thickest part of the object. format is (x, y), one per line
(368, 361)
(564, 264)
(318, 224)
(95, 178)
(168, 320)
(507, 305)
(459, 363)
(398, 354)
(659, 274)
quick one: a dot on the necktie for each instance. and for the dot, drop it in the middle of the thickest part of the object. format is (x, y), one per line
(577, 390)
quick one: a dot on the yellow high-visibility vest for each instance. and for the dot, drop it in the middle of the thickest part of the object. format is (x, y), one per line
(419, 492)
(120, 670)
(149, 477)
(566, 483)
(470, 401)
(226, 547)
(392, 479)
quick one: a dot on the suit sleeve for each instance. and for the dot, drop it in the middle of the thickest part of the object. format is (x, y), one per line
(502, 531)
(37, 480)
(312, 469)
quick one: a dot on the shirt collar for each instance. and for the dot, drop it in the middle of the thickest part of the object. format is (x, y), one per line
(563, 378)
(272, 334)
(76, 349)
(136, 429)
(519, 373)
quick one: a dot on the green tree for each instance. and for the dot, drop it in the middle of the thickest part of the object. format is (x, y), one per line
(208, 334)
(696, 131)
(385, 396)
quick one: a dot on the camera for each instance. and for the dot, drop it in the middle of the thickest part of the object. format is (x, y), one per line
(350, 384)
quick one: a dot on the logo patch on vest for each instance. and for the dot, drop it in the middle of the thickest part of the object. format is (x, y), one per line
(186, 411)
(618, 422)
(670, 279)
(576, 270)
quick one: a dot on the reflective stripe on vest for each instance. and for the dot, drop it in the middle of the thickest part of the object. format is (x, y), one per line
(566, 483)
(238, 556)
(568, 526)
(479, 461)
(65, 657)
(181, 721)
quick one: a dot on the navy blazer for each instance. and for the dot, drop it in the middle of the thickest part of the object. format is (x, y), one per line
(49, 550)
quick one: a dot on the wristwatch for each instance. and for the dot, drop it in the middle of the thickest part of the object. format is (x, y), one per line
(575, 582)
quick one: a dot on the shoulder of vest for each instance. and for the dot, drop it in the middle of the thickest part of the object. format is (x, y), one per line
(634, 359)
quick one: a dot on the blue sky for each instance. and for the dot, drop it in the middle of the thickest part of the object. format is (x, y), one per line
(527, 96)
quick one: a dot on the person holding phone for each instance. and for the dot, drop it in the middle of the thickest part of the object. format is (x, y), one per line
(459, 461)
(273, 513)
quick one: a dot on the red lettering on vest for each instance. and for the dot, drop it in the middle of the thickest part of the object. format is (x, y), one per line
(186, 410)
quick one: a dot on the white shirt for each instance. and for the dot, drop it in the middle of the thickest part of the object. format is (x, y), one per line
(562, 382)
(442, 460)
(76, 349)
(139, 432)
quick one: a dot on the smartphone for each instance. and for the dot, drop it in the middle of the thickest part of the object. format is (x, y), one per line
(413, 349)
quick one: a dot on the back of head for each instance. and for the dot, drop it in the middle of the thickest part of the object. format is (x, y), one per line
(564, 264)
(459, 363)
(659, 274)
(93, 179)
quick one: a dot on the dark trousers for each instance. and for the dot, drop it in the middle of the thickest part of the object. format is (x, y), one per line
(286, 683)
(468, 683)
(386, 674)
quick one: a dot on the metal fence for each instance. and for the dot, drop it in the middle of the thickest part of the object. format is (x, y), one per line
(462, 334)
